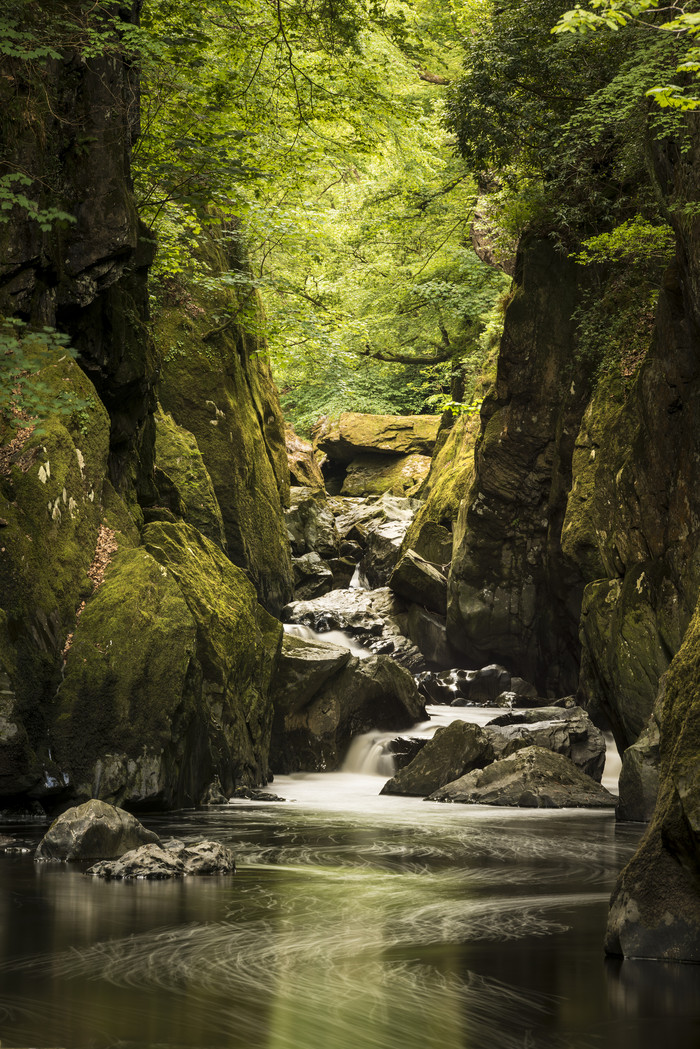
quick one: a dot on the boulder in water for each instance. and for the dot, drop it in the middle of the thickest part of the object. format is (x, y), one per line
(94, 830)
(172, 859)
(531, 778)
(304, 666)
(569, 732)
(454, 749)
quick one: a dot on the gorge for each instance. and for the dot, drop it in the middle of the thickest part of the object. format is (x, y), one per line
(196, 604)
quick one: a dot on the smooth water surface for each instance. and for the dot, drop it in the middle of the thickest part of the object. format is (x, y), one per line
(354, 922)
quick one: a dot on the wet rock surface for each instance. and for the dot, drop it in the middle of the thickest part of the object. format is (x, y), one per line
(312, 576)
(566, 731)
(420, 582)
(531, 778)
(454, 749)
(92, 831)
(172, 859)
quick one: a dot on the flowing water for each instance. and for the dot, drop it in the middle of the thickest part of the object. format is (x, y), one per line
(354, 922)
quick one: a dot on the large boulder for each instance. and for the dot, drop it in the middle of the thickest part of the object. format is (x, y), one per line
(93, 831)
(455, 749)
(364, 694)
(531, 778)
(310, 524)
(382, 551)
(312, 576)
(419, 581)
(303, 668)
(370, 475)
(180, 469)
(567, 731)
(353, 434)
(167, 681)
(355, 516)
(172, 859)
(432, 542)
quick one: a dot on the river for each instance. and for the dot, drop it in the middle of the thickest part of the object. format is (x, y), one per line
(355, 921)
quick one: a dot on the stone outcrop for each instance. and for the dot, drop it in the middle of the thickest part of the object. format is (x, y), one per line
(514, 598)
(304, 469)
(216, 383)
(531, 778)
(371, 475)
(419, 581)
(354, 434)
(166, 684)
(93, 831)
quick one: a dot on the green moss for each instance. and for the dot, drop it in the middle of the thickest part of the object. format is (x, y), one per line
(178, 455)
(218, 387)
(125, 679)
(451, 475)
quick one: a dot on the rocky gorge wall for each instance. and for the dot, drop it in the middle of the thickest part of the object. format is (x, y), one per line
(136, 541)
(577, 547)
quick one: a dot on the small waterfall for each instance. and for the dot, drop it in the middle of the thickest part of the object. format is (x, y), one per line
(613, 764)
(331, 637)
(369, 755)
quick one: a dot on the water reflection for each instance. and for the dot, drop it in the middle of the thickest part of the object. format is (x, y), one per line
(355, 922)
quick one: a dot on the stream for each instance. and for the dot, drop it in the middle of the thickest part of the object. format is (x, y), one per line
(355, 921)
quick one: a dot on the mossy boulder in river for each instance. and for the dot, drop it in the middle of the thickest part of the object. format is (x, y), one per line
(166, 683)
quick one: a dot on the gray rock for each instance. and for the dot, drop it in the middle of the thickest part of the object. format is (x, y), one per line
(404, 749)
(312, 576)
(172, 859)
(302, 669)
(251, 794)
(531, 778)
(568, 732)
(310, 524)
(419, 581)
(376, 618)
(382, 551)
(483, 686)
(428, 631)
(94, 830)
(365, 694)
(342, 569)
(213, 795)
(639, 777)
(354, 516)
(454, 749)
(350, 551)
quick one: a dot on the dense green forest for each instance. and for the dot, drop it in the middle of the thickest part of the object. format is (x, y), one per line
(348, 156)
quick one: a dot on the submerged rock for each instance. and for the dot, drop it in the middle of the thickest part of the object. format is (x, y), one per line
(531, 778)
(93, 831)
(172, 859)
(454, 749)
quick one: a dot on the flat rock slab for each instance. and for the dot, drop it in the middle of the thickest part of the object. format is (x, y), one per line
(94, 830)
(531, 778)
(173, 859)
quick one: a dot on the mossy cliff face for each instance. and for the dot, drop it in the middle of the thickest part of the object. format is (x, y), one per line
(655, 908)
(513, 597)
(166, 684)
(71, 125)
(51, 488)
(215, 382)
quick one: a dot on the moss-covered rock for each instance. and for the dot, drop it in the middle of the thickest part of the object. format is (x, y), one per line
(355, 433)
(180, 459)
(166, 684)
(216, 383)
(51, 485)
(370, 475)
(655, 907)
